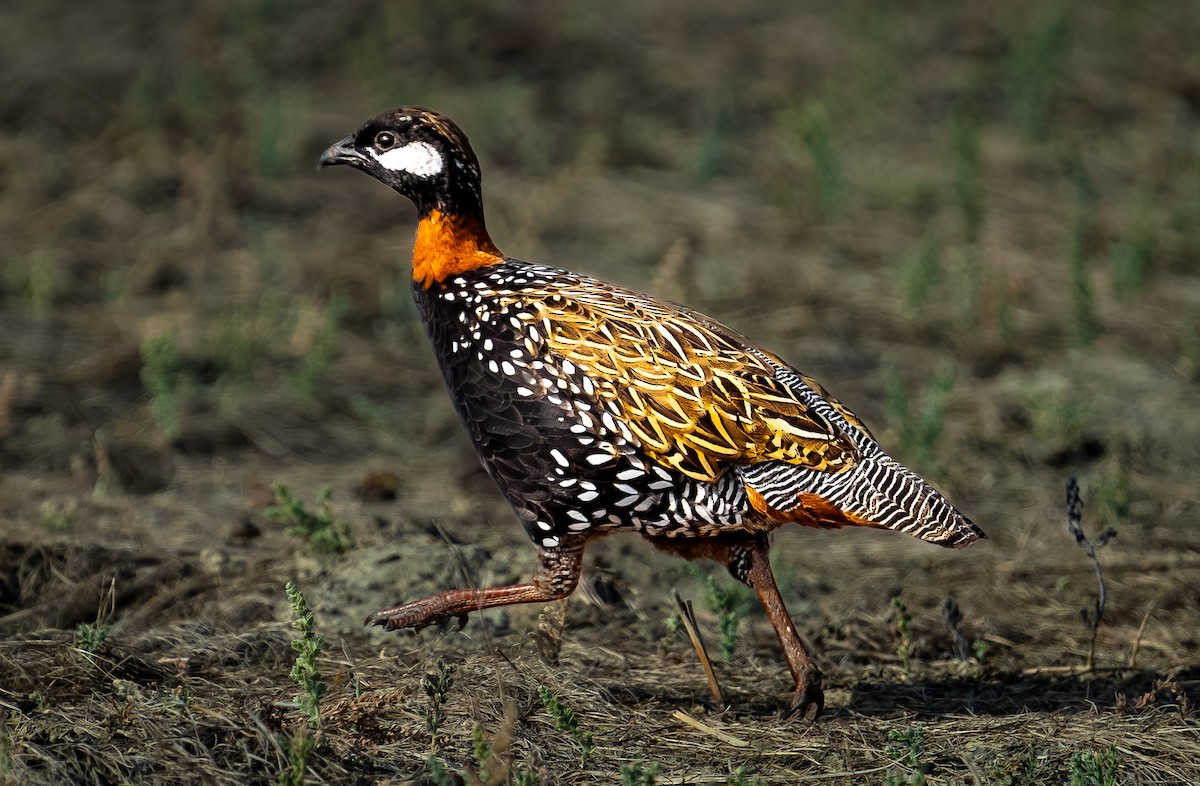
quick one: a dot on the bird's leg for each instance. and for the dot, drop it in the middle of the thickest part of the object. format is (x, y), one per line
(749, 564)
(556, 576)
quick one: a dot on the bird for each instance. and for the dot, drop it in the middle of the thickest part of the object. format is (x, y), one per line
(598, 409)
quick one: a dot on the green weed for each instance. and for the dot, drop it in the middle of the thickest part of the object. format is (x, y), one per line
(307, 647)
(90, 638)
(904, 647)
(907, 751)
(223, 361)
(1112, 494)
(730, 602)
(438, 773)
(1132, 257)
(815, 130)
(504, 128)
(715, 146)
(8, 762)
(183, 97)
(880, 29)
(437, 685)
(326, 532)
(1084, 325)
(638, 774)
(1038, 55)
(1189, 353)
(920, 271)
(33, 278)
(53, 517)
(481, 750)
(303, 740)
(164, 377)
(565, 720)
(1060, 420)
(968, 171)
(319, 343)
(1094, 769)
(277, 120)
(921, 433)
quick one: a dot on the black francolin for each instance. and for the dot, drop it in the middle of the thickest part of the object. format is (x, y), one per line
(598, 409)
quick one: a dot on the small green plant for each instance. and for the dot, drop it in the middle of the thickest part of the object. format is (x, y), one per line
(1084, 324)
(920, 271)
(919, 434)
(1132, 257)
(438, 773)
(1094, 769)
(437, 685)
(713, 152)
(904, 647)
(906, 749)
(222, 360)
(638, 774)
(54, 517)
(7, 760)
(815, 129)
(979, 649)
(1035, 68)
(320, 342)
(327, 533)
(305, 674)
(278, 121)
(299, 746)
(565, 720)
(90, 638)
(34, 278)
(163, 374)
(307, 647)
(968, 172)
(481, 750)
(730, 602)
(1189, 353)
(1112, 494)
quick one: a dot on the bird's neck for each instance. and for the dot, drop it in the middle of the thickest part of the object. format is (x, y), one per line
(449, 244)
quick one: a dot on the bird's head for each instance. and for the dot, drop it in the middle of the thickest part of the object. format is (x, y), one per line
(418, 153)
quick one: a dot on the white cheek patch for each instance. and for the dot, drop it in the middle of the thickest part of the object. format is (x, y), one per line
(417, 158)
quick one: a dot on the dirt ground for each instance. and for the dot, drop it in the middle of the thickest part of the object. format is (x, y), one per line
(978, 224)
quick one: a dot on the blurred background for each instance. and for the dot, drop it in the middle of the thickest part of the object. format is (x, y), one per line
(977, 223)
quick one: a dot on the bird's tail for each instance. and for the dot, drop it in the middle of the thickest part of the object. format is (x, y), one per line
(878, 492)
(887, 494)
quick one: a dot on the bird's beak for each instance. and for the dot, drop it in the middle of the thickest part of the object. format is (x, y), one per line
(342, 152)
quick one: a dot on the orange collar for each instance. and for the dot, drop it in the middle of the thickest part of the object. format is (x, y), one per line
(449, 244)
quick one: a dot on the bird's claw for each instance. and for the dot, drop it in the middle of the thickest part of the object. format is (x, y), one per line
(412, 617)
(808, 700)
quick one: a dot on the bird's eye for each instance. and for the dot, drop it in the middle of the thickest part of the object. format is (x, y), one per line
(384, 140)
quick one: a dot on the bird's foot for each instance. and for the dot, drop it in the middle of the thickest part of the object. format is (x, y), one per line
(808, 700)
(414, 616)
